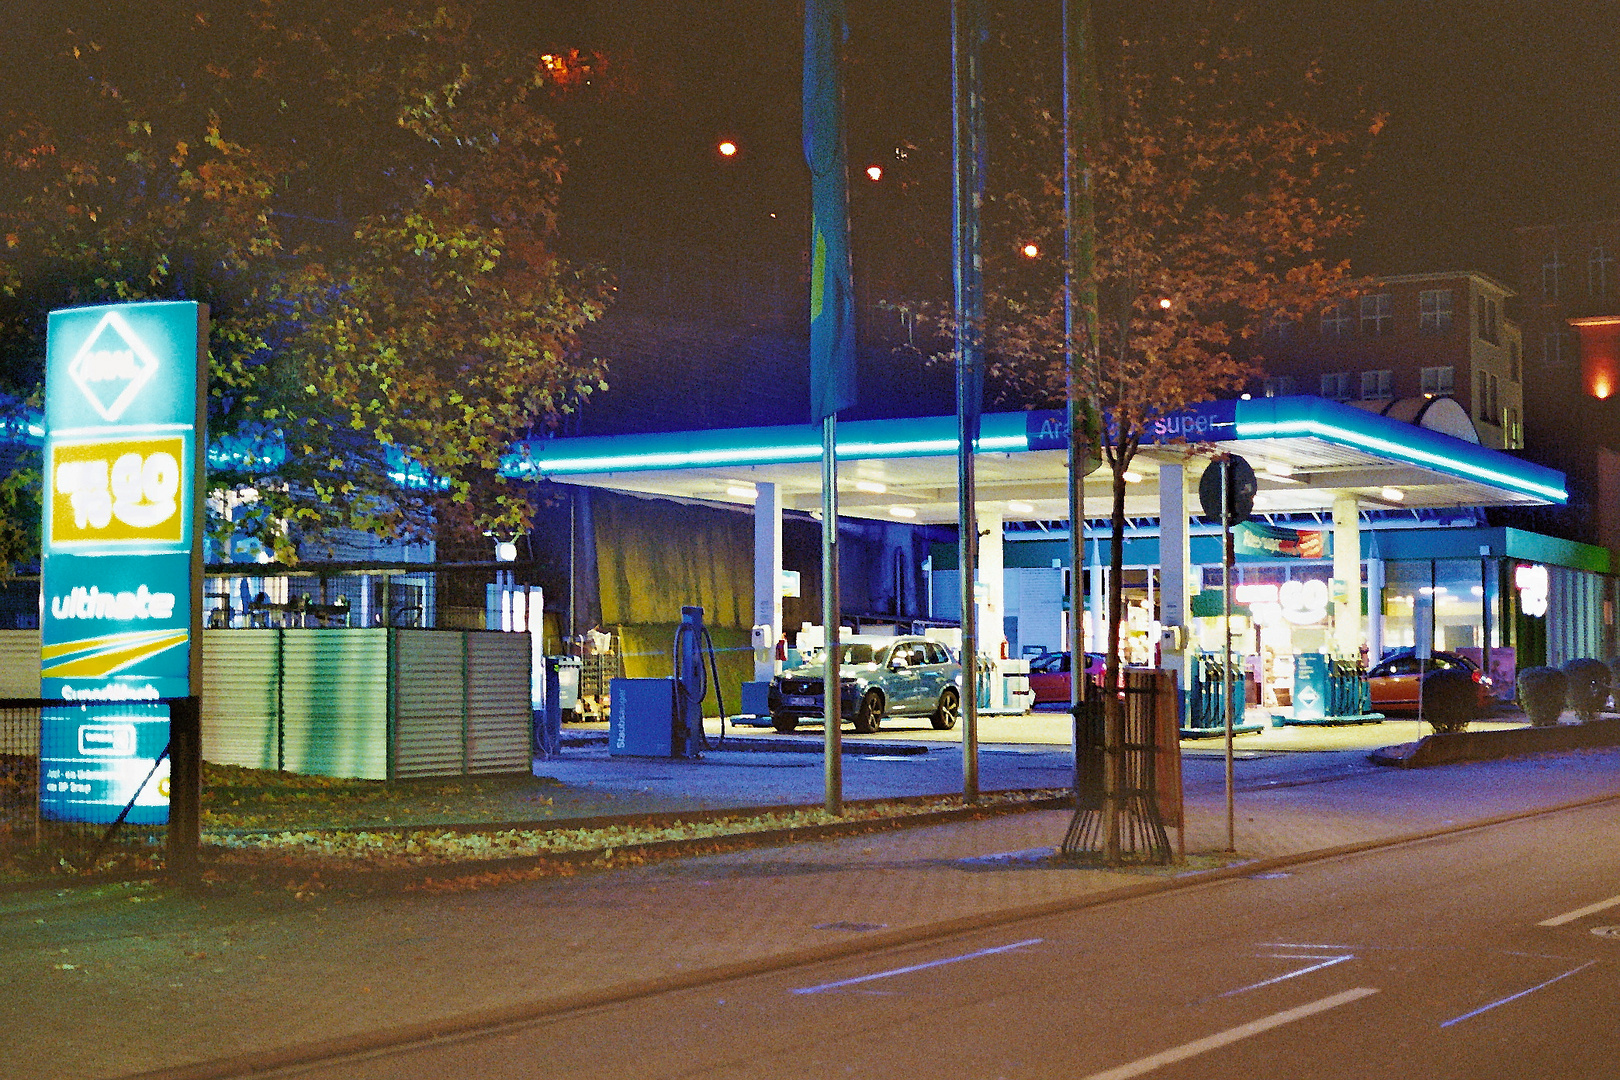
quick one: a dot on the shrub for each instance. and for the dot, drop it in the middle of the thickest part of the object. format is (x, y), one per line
(1588, 687)
(1450, 699)
(1541, 694)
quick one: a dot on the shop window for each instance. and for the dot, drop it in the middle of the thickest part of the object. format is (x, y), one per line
(1279, 385)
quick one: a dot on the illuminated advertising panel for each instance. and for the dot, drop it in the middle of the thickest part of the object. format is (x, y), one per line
(121, 584)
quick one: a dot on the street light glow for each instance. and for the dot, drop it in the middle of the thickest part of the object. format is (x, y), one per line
(1031, 251)
(874, 173)
(727, 148)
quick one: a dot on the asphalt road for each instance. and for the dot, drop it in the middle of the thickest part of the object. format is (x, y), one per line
(1474, 955)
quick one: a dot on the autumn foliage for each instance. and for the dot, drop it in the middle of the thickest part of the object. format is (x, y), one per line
(366, 197)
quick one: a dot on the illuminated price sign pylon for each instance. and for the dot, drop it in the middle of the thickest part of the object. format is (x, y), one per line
(125, 429)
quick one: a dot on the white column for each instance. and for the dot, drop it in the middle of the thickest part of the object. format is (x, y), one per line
(993, 585)
(1099, 599)
(1347, 571)
(1175, 557)
(767, 574)
(1375, 610)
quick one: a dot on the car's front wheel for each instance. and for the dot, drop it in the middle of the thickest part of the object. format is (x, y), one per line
(784, 722)
(950, 705)
(870, 713)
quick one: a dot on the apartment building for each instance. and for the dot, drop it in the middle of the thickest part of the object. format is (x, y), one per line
(1414, 336)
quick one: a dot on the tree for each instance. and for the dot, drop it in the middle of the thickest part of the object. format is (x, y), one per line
(366, 196)
(1220, 183)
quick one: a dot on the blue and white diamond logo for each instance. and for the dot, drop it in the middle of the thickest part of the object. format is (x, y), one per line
(112, 366)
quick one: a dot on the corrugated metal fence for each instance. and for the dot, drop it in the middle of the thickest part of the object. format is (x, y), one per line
(374, 704)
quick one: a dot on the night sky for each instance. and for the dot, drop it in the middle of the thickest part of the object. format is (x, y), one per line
(1500, 113)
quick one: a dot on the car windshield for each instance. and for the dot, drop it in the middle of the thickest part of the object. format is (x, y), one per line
(855, 652)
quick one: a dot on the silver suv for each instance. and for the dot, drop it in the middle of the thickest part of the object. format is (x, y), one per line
(878, 677)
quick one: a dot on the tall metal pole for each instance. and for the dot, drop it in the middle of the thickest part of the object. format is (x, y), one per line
(1226, 631)
(1079, 257)
(968, 149)
(832, 757)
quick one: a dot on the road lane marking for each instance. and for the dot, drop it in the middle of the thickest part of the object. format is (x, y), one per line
(1230, 1035)
(914, 967)
(1516, 997)
(1292, 974)
(1581, 913)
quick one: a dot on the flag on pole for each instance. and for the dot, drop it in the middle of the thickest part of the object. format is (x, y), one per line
(832, 300)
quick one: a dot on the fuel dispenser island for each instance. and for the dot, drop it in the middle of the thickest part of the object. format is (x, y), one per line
(664, 717)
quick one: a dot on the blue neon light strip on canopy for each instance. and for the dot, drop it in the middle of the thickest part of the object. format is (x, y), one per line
(933, 436)
(1218, 421)
(1318, 418)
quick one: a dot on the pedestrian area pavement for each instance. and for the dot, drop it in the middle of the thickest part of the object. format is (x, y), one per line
(116, 980)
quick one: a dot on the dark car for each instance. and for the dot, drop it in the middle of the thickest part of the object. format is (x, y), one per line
(1049, 676)
(1393, 681)
(878, 677)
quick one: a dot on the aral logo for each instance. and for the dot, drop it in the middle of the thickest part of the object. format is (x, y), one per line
(112, 366)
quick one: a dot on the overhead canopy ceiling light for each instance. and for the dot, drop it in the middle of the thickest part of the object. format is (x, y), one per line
(871, 486)
(903, 511)
(1390, 494)
(742, 491)
(1021, 507)
(1133, 478)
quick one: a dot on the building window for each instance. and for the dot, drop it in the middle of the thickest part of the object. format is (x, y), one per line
(1552, 350)
(1336, 386)
(1482, 405)
(1513, 433)
(1485, 318)
(1280, 328)
(1599, 272)
(1513, 362)
(1434, 310)
(1375, 385)
(1495, 398)
(1550, 269)
(1279, 385)
(1336, 321)
(1378, 314)
(1438, 380)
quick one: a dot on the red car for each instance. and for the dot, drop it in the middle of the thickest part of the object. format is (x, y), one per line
(1049, 676)
(1393, 681)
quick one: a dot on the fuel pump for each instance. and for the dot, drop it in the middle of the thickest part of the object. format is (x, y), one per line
(691, 685)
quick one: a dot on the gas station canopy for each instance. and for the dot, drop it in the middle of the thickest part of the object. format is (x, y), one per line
(1304, 450)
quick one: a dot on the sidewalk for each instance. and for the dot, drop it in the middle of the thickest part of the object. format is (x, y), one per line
(164, 982)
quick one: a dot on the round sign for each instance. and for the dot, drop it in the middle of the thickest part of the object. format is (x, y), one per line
(1241, 487)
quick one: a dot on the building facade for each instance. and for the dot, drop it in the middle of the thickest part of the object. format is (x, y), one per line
(1410, 337)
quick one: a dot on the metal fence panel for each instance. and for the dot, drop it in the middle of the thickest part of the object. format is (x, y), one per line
(241, 699)
(499, 712)
(430, 700)
(334, 703)
(19, 770)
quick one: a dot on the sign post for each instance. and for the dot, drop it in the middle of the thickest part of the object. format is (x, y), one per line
(121, 582)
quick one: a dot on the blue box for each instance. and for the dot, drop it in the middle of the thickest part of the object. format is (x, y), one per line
(641, 717)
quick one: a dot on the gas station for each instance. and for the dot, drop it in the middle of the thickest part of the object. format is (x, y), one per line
(1381, 489)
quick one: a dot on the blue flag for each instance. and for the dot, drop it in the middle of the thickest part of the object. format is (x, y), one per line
(832, 289)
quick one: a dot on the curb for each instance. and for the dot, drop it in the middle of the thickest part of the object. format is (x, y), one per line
(430, 874)
(1463, 746)
(493, 1019)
